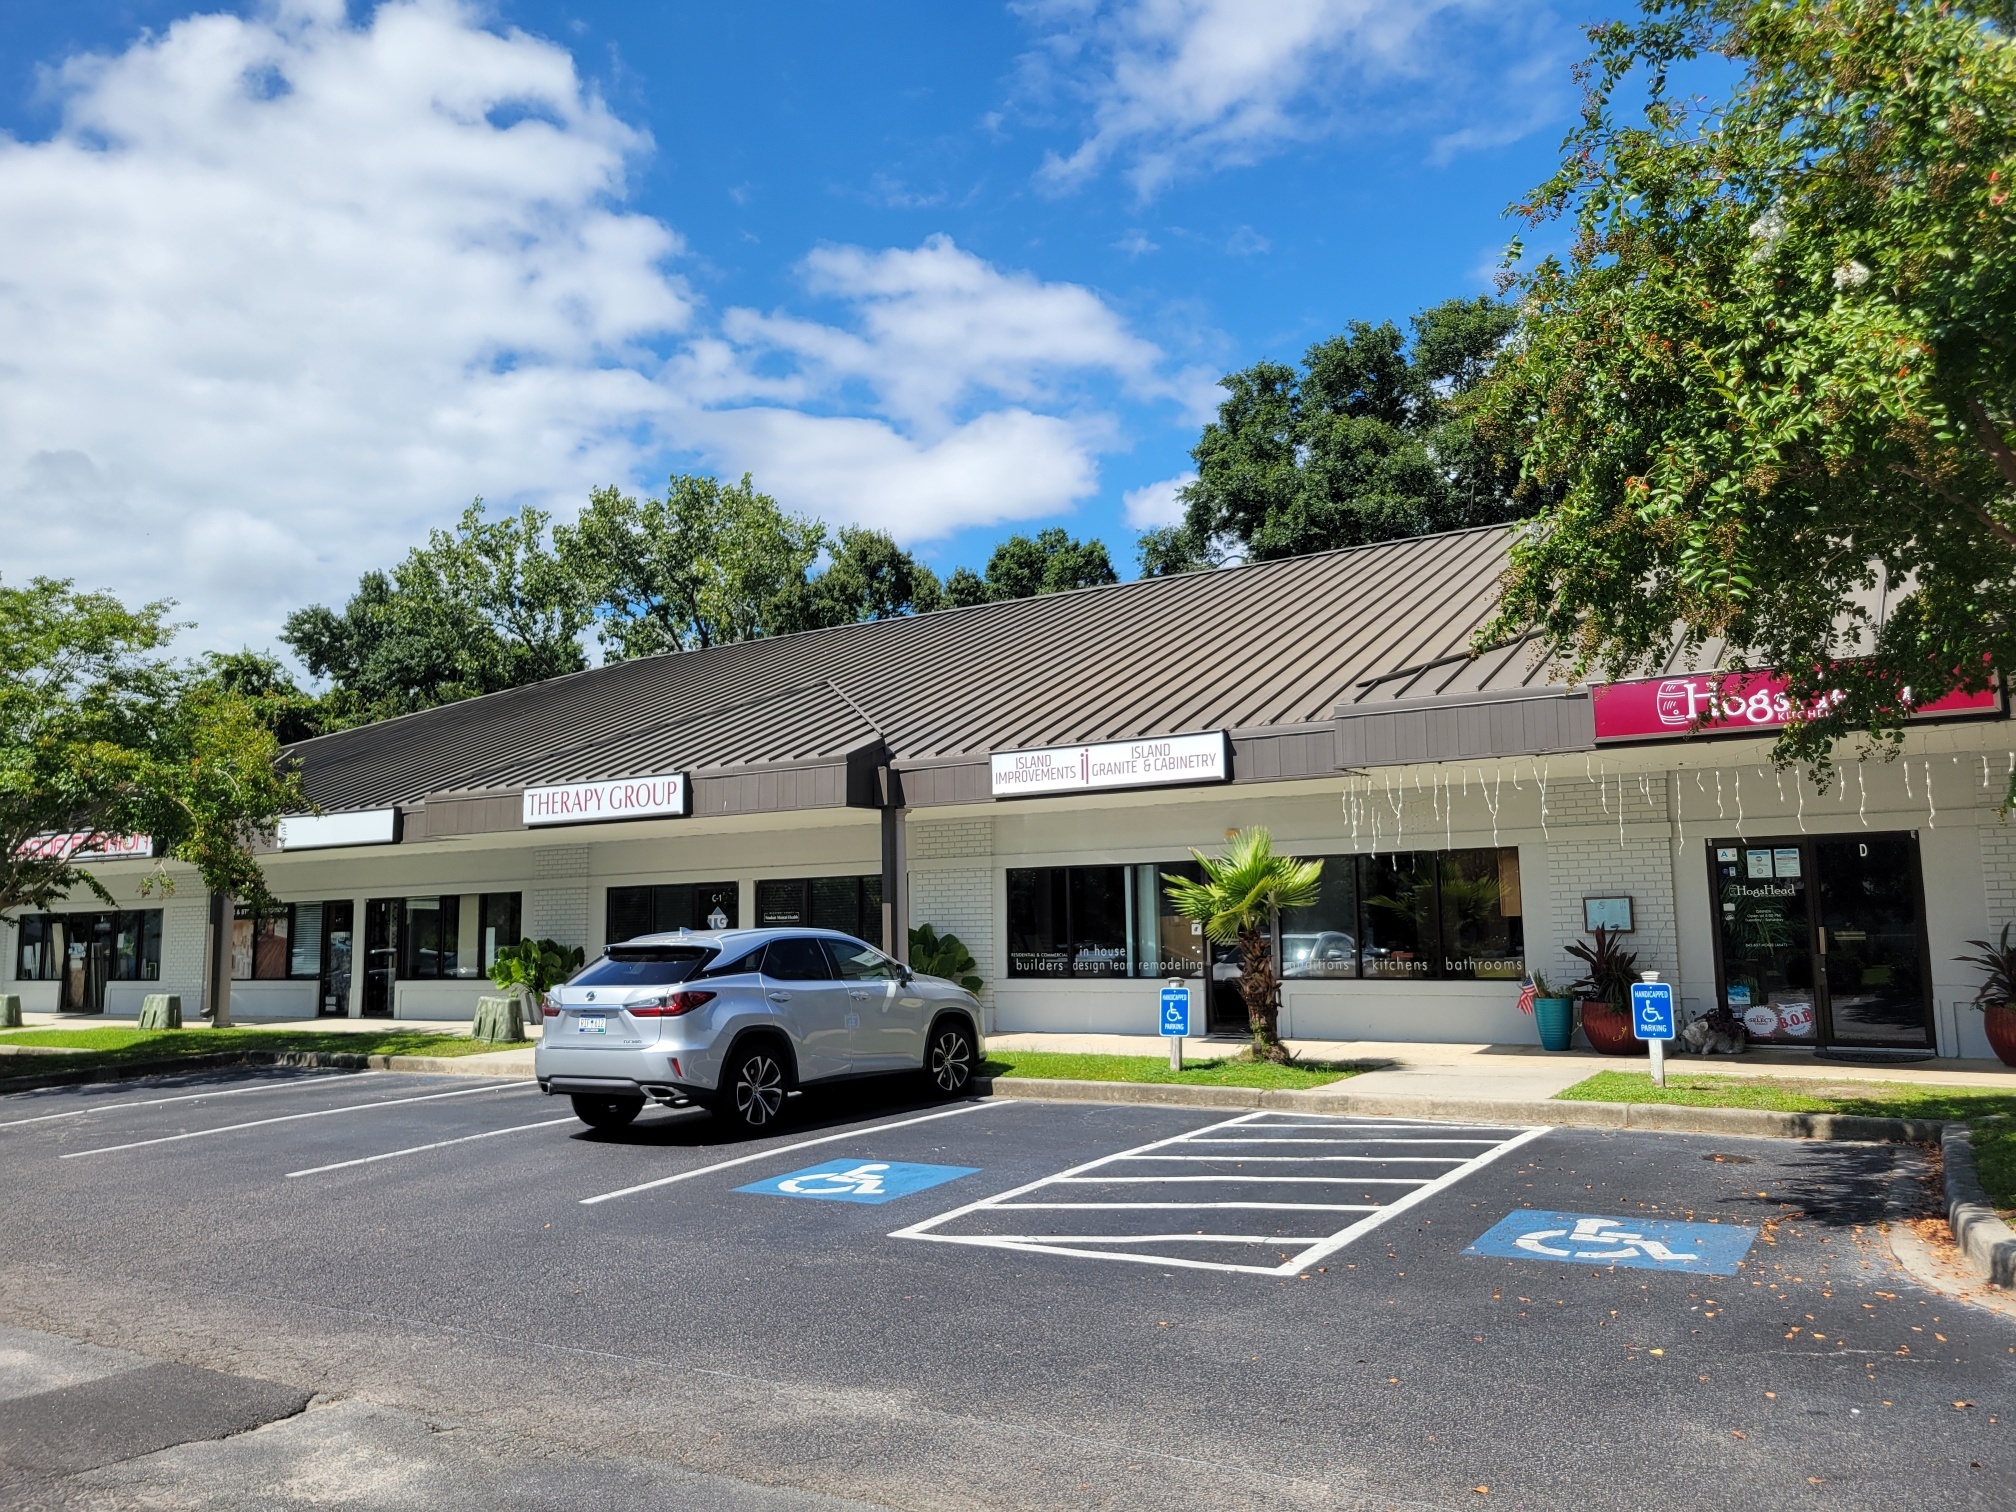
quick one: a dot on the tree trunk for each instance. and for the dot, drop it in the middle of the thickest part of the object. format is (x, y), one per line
(1262, 991)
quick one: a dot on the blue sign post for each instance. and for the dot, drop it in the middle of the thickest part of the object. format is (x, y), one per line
(1652, 1020)
(1175, 1021)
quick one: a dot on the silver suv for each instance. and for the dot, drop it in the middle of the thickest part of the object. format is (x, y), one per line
(737, 1019)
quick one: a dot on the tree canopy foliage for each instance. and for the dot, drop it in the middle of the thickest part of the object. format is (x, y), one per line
(1771, 384)
(1023, 567)
(479, 608)
(1368, 441)
(102, 734)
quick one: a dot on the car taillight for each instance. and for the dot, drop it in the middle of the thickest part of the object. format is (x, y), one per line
(669, 1006)
(548, 1007)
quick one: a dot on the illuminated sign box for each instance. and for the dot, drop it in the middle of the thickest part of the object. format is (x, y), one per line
(331, 831)
(1731, 703)
(624, 798)
(1159, 762)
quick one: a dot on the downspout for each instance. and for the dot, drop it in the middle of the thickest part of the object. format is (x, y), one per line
(895, 866)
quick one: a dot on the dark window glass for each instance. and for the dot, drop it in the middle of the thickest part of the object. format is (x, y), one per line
(746, 962)
(1321, 940)
(498, 927)
(852, 905)
(260, 944)
(431, 936)
(1177, 943)
(798, 960)
(304, 944)
(1399, 938)
(1483, 935)
(39, 948)
(862, 963)
(1038, 923)
(1071, 921)
(667, 909)
(646, 966)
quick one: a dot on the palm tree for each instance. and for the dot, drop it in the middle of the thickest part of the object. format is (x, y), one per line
(1237, 899)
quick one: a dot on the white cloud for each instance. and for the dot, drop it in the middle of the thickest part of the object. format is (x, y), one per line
(282, 291)
(1178, 86)
(292, 293)
(1155, 504)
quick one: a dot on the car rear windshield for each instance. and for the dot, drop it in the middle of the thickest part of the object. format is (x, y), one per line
(644, 966)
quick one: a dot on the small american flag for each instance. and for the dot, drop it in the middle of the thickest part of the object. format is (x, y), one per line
(1526, 995)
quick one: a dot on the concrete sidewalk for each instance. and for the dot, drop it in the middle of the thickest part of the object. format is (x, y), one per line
(312, 1025)
(1517, 1072)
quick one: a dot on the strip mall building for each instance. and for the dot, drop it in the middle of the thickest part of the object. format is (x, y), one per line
(1021, 774)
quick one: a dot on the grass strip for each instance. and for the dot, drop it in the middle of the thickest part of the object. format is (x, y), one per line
(117, 1047)
(1052, 1065)
(1990, 1114)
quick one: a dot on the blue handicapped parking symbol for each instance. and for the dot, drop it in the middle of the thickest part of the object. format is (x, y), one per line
(1707, 1249)
(870, 1181)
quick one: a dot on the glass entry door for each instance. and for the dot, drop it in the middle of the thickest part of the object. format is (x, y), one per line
(337, 922)
(1821, 940)
(1869, 930)
(381, 954)
(87, 962)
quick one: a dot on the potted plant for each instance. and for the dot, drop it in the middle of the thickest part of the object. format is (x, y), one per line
(1996, 996)
(1553, 1015)
(1237, 900)
(946, 955)
(1606, 993)
(524, 973)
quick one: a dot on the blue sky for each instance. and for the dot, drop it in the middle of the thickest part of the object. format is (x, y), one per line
(306, 277)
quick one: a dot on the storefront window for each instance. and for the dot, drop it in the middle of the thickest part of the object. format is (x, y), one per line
(431, 934)
(1321, 940)
(852, 905)
(1400, 939)
(121, 947)
(1085, 922)
(634, 911)
(1483, 935)
(283, 945)
(38, 954)
(499, 915)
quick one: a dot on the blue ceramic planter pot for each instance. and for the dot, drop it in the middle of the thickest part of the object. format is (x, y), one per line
(1556, 1018)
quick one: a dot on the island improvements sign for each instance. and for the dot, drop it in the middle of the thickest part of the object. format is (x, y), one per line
(1158, 762)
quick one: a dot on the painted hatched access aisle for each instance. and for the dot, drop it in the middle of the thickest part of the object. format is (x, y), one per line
(1264, 1193)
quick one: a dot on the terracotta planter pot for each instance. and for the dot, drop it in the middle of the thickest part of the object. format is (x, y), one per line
(1609, 1029)
(2000, 1021)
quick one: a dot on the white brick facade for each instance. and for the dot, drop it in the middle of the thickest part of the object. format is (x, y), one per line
(559, 913)
(1998, 872)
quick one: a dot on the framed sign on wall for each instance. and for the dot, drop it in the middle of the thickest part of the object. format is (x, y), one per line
(1613, 914)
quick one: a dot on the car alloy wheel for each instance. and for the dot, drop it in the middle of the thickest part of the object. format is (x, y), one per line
(951, 1066)
(759, 1090)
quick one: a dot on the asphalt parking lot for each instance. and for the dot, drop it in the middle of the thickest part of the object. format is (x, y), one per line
(1012, 1303)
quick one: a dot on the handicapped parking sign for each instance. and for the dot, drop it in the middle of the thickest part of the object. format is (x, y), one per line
(1175, 1012)
(870, 1181)
(1652, 1010)
(1705, 1249)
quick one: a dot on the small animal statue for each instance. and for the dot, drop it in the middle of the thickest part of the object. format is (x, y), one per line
(1716, 1033)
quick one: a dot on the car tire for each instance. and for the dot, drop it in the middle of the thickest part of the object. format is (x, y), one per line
(952, 1059)
(753, 1088)
(599, 1112)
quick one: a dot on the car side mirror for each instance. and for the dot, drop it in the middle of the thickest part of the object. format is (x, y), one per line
(907, 975)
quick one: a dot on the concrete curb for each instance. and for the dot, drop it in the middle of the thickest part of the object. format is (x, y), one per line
(1988, 1243)
(1666, 1118)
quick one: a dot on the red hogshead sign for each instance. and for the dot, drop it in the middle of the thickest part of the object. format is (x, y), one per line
(1731, 703)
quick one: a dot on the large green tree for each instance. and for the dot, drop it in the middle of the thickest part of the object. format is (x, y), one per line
(479, 608)
(1052, 561)
(1369, 440)
(1775, 367)
(867, 577)
(103, 734)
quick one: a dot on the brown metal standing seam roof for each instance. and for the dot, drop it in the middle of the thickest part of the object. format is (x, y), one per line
(1243, 648)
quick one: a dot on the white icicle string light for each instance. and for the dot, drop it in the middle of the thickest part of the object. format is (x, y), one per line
(1679, 785)
(1862, 794)
(1907, 777)
(1490, 802)
(1540, 775)
(1799, 786)
(1448, 812)
(1720, 812)
(1931, 808)
(1739, 800)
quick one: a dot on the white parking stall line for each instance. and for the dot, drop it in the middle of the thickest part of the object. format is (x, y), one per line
(439, 1144)
(1246, 1129)
(803, 1144)
(155, 1102)
(261, 1123)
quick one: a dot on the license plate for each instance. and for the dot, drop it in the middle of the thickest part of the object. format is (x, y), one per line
(591, 1023)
